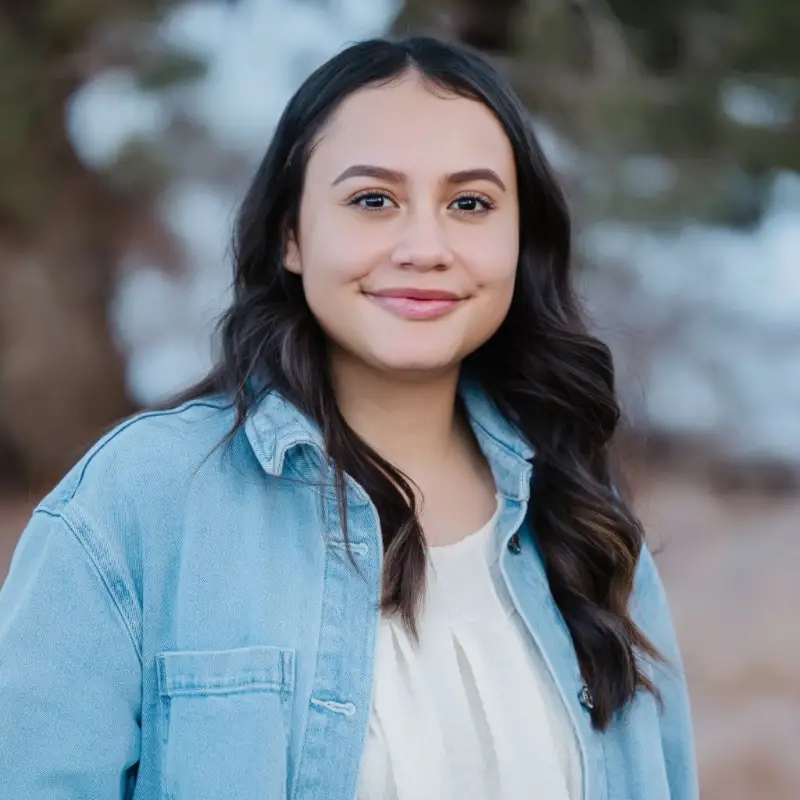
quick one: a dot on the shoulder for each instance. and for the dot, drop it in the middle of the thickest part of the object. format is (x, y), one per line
(126, 501)
(145, 454)
(648, 589)
(129, 495)
(650, 605)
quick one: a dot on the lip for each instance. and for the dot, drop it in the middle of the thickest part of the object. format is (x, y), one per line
(416, 304)
(417, 294)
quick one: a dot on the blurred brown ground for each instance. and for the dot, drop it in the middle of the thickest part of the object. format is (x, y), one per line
(730, 563)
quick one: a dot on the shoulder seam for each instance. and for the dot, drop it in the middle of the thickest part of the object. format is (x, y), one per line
(73, 527)
(109, 437)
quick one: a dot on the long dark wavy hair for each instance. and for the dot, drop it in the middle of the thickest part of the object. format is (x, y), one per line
(541, 368)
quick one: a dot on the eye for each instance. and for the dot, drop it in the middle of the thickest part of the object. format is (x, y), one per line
(372, 200)
(472, 204)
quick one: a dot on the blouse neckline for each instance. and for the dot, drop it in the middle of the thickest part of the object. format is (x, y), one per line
(477, 540)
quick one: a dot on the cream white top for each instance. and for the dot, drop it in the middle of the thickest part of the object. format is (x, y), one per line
(471, 712)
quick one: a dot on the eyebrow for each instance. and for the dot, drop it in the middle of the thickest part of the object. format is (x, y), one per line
(394, 176)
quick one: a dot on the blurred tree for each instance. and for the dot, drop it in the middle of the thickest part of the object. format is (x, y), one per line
(707, 91)
(62, 227)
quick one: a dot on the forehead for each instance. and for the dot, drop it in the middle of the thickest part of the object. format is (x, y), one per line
(406, 124)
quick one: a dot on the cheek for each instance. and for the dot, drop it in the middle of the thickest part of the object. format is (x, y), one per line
(494, 268)
(495, 277)
(331, 278)
(498, 298)
(333, 257)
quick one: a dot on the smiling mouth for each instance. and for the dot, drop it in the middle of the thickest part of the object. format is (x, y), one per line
(413, 306)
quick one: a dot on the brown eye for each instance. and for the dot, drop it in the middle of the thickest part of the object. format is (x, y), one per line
(467, 203)
(372, 201)
(472, 204)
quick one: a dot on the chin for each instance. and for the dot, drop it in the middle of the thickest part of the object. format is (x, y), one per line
(414, 366)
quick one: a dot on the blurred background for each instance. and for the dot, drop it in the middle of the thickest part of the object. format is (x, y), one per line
(129, 128)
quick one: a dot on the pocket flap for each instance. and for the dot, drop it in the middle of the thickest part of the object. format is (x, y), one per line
(242, 669)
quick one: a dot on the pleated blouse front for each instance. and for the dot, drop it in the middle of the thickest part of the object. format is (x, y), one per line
(471, 711)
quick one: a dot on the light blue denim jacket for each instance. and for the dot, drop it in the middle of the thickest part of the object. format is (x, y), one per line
(180, 622)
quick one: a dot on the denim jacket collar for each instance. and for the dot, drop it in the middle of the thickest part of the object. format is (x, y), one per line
(276, 427)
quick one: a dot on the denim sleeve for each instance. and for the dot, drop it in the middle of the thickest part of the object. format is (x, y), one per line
(677, 738)
(70, 673)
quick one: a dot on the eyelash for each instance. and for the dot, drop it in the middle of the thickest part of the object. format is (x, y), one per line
(488, 204)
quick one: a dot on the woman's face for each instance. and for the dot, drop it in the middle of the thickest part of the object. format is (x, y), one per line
(408, 231)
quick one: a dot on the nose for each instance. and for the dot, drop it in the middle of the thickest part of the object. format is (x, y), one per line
(422, 245)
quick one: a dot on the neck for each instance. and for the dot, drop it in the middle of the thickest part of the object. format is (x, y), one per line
(409, 420)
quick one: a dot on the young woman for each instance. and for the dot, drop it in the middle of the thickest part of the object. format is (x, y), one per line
(379, 552)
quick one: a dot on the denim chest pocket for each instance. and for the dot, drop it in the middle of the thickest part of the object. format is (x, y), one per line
(224, 717)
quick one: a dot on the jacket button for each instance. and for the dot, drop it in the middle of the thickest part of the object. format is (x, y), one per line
(586, 698)
(514, 545)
